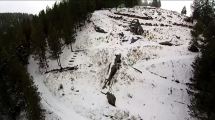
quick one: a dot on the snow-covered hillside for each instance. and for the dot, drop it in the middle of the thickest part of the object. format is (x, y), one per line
(150, 83)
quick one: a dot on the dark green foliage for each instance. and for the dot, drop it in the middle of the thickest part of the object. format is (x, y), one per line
(29, 99)
(17, 92)
(39, 45)
(55, 45)
(145, 3)
(193, 48)
(10, 20)
(204, 70)
(131, 3)
(184, 11)
(23, 36)
(156, 3)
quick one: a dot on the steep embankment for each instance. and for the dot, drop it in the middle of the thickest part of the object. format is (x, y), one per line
(149, 82)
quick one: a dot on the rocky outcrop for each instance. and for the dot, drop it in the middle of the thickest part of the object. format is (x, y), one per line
(135, 27)
(100, 30)
(111, 98)
(133, 40)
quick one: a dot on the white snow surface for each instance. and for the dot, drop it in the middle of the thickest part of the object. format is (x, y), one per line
(158, 93)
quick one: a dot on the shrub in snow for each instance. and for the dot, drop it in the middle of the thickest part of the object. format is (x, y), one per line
(60, 87)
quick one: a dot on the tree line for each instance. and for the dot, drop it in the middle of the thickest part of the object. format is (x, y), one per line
(203, 38)
(44, 36)
(17, 92)
(154, 3)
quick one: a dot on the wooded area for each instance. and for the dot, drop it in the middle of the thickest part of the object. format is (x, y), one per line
(203, 103)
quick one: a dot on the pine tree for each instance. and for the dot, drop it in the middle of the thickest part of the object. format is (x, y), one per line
(156, 3)
(184, 11)
(39, 43)
(145, 3)
(159, 3)
(204, 79)
(55, 45)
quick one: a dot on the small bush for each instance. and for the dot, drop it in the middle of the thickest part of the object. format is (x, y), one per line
(60, 87)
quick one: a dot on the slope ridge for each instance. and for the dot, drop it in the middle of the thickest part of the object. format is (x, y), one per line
(158, 93)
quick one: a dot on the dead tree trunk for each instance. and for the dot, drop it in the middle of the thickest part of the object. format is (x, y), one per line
(113, 71)
(71, 47)
(59, 62)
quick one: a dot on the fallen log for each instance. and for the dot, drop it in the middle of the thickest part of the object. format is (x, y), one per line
(135, 16)
(137, 70)
(167, 43)
(62, 69)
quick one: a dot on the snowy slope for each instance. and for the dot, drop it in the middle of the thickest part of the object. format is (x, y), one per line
(150, 84)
